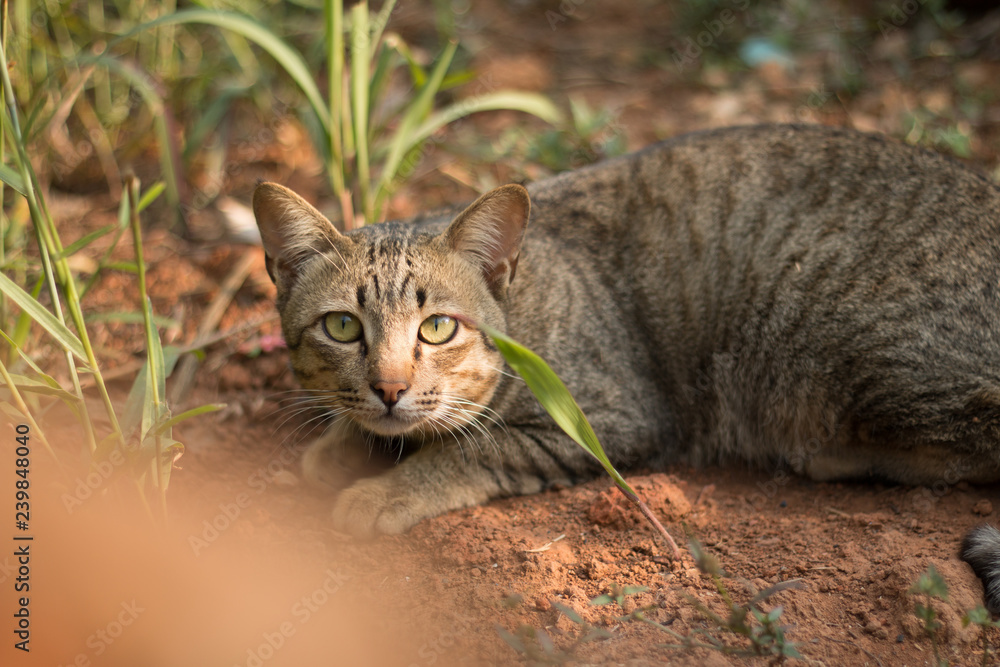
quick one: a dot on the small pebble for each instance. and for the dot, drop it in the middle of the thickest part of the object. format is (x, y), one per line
(983, 508)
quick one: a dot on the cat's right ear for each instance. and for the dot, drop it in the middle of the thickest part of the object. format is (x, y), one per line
(489, 234)
(291, 231)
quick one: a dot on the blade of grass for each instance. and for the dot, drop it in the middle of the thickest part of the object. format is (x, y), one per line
(25, 412)
(333, 20)
(530, 103)
(562, 407)
(418, 110)
(153, 407)
(48, 245)
(84, 241)
(12, 178)
(360, 67)
(286, 57)
(58, 330)
(165, 427)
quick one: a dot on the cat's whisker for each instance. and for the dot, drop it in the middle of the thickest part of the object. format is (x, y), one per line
(319, 419)
(479, 410)
(502, 371)
(322, 409)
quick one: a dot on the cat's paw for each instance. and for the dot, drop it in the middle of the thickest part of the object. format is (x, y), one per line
(332, 462)
(380, 506)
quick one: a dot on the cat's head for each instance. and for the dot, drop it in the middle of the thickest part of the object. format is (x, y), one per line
(380, 321)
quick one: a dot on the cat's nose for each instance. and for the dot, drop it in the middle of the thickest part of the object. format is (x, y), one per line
(389, 392)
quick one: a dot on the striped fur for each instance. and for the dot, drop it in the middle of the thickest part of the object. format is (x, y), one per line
(786, 295)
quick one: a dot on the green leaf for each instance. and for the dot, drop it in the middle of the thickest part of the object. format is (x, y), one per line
(45, 376)
(128, 267)
(360, 65)
(511, 640)
(13, 179)
(151, 194)
(568, 612)
(187, 414)
(66, 338)
(25, 383)
(530, 103)
(980, 616)
(131, 318)
(931, 583)
(601, 600)
(545, 642)
(290, 60)
(83, 242)
(135, 403)
(555, 398)
(791, 584)
(403, 139)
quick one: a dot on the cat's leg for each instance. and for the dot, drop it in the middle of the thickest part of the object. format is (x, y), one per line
(453, 474)
(338, 457)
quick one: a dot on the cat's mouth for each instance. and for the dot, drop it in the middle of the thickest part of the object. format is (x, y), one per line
(392, 421)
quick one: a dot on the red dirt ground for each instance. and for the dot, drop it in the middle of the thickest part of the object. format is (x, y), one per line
(250, 571)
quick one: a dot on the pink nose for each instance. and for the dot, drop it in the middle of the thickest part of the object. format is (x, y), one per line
(389, 391)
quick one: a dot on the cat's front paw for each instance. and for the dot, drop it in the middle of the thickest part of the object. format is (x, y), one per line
(333, 461)
(381, 506)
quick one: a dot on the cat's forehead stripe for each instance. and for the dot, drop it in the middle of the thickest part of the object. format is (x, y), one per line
(390, 269)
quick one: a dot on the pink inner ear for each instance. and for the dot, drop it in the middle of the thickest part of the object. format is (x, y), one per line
(290, 228)
(490, 231)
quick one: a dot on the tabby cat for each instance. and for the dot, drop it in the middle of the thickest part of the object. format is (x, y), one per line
(790, 295)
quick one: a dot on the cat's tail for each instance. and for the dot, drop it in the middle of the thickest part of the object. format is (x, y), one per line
(981, 550)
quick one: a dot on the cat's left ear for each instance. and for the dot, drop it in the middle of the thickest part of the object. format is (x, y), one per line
(490, 231)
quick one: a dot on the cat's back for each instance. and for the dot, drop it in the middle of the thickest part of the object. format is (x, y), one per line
(770, 268)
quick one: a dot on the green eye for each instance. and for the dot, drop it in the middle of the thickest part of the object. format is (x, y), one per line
(342, 327)
(437, 329)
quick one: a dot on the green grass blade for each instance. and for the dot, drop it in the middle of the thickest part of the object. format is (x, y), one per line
(66, 338)
(555, 398)
(151, 194)
(381, 20)
(417, 112)
(132, 317)
(25, 383)
(31, 364)
(333, 15)
(13, 179)
(360, 68)
(290, 60)
(140, 81)
(83, 242)
(530, 103)
(187, 414)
